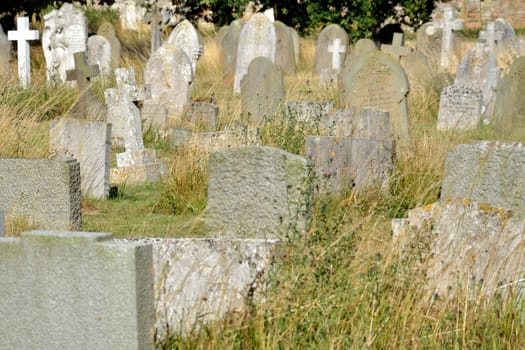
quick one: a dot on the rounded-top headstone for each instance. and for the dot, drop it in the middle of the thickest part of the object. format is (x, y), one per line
(285, 52)
(361, 47)
(185, 37)
(327, 37)
(99, 52)
(429, 43)
(229, 45)
(107, 30)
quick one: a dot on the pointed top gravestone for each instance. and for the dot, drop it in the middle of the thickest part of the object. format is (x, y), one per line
(330, 50)
(185, 37)
(397, 49)
(22, 35)
(82, 75)
(257, 38)
(448, 25)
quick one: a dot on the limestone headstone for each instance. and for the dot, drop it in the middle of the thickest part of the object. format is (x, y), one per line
(5, 56)
(107, 30)
(22, 35)
(262, 91)
(99, 53)
(448, 25)
(257, 39)
(258, 192)
(460, 107)
(185, 37)
(377, 81)
(330, 49)
(229, 44)
(284, 52)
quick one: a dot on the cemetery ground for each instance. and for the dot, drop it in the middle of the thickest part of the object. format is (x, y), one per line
(342, 284)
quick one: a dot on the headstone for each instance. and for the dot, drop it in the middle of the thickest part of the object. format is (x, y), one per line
(260, 192)
(89, 142)
(365, 123)
(229, 45)
(397, 50)
(45, 192)
(170, 74)
(361, 48)
(257, 39)
(130, 14)
(448, 25)
(418, 70)
(185, 37)
(107, 30)
(65, 33)
(284, 52)
(99, 53)
(311, 113)
(201, 116)
(501, 38)
(208, 142)
(5, 56)
(22, 35)
(377, 81)
(460, 107)
(330, 49)
(269, 13)
(429, 44)
(159, 16)
(509, 113)
(296, 40)
(85, 290)
(262, 91)
(82, 73)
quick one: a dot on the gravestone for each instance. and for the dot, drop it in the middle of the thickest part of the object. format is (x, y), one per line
(43, 192)
(366, 123)
(201, 116)
(257, 39)
(330, 49)
(22, 35)
(509, 113)
(131, 14)
(261, 192)
(89, 142)
(208, 142)
(158, 16)
(460, 107)
(99, 53)
(296, 40)
(429, 44)
(309, 113)
(86, 291)
(2, 223)
(170, 74)
(501, 38)
(229, 45)
(5, 56)
(344, 163)
(262, 91)
(418, 70)
(397, 49)
(361, 48)
(377, 81)
(107, 30)
(65, 33)
(448, 25)
(284, 51)
(185, 37)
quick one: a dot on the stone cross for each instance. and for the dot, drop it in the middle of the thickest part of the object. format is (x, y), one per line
(397, 49)
(336, 49)
(22, 36)
(447, 25)
(158, 17)
(491, 36)
(82, 74)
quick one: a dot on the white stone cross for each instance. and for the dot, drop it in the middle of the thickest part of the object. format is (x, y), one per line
(491, 36)
(447, 25)
(22, 36)
(337, 50)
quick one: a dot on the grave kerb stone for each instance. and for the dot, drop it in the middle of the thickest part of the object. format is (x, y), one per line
(22, 35)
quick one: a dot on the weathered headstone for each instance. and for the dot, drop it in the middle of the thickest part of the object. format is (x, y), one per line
(418, 70)
(45, 192)
(429, 44)
(170, 74)
(366, 123)
(22, 35)
(296, 40)
(82, 74)
(185, 37)
(330, 49)
(201, 116)
(99, 53)
(131, 14)
(460, 107)
(258, 192)
(262, 91)
(5, 56)
(448, 25)
(377, 81)
(501, 38)
(107, 30)
(312, 113)
(284, 52)
(158, 16)
(397, 49)
(361, 48)
(89, 142)
(85, 290)
(257, 39)
(229, 44)
(65, 33)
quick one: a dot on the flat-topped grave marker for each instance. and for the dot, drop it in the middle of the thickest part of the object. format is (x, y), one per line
(22, 36)
(82, 74)
(398, 48)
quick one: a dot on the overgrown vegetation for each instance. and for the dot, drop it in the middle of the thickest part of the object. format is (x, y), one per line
(343, 284)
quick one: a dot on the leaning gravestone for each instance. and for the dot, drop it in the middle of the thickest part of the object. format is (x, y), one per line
(99, 53)
(377, 81)
(65, 33)
(460, 107)
(262, 91)
(45, 192)
(5, 56)
(170, 74)
(509, 113)
(107, 30)
(185, 37)
(330, 49)
(257, 39)
(284, 52)
(229, 44)
(261, 192)
(86, 291)
(22, 35)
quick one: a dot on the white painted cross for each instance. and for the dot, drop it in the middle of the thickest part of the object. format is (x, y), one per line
(491, 36)
(22, 36)
(447, 25)
(337, 50)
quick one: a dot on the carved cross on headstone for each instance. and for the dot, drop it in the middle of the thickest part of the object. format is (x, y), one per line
(22, 36)
(490, 36)
(337, 50)
(397, 49)
(82, 74)
(448, 25)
